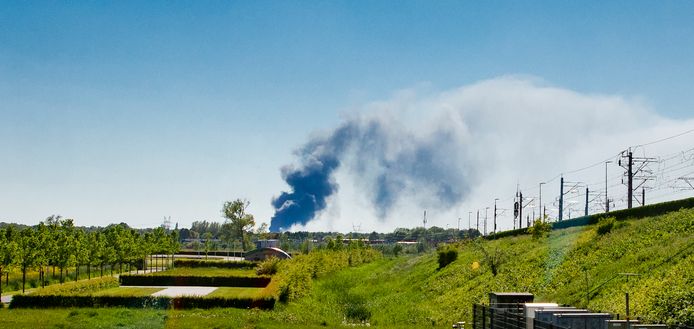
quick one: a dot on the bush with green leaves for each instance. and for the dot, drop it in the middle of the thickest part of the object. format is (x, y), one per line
(605, 225)
(84, 287)
(541, 227)
(446, 255)
(268, 266)
(294, 277)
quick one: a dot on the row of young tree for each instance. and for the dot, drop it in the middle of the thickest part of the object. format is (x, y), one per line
(57, 243)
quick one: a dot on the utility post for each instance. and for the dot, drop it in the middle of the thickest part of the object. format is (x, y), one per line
(495, 200)
(626, 296)
(641, 173)
(520, 210)
(607, 201)
(561, 198)
(478, 221)
(540, 203)
(485, 220)
(631, 181)
(643, 196)
(469, 216)
(586, 214)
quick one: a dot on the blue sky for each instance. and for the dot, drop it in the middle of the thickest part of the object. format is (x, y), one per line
(131, 111)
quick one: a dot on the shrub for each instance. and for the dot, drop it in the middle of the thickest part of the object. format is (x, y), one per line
(540, 228)
(447, 255)
(213, 281)
(295, 276)
(84, 287)
(605, 225)
(213, 263)
(268, 266)
(161, 302)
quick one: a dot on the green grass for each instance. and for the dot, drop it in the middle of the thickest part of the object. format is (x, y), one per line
(82, 318)
(205, 271)
(233, 292)
(127, 291)
(411, 291)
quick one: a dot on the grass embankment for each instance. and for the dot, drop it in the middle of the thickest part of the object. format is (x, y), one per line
(574, 266)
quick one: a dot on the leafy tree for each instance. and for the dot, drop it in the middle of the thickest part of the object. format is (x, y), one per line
(159, 242)
(208, 242)
(238, 220)
(540, 227)
(27, 253)
(174, 245)
(65, 246)
(81, 251)
(8, 250)
(493, 257)
(95, 249)
(45, 244)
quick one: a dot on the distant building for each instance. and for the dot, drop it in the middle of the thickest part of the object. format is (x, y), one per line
(265, 253)
(271, 243)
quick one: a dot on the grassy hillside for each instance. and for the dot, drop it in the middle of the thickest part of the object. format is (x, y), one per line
(575, 266)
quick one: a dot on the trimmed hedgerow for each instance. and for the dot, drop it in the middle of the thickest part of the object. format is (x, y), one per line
(213, 263)
(212, 281)
(159, 302)
(84, 287)
(618, 215)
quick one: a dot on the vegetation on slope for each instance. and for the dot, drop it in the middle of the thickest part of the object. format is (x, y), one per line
(575, 266)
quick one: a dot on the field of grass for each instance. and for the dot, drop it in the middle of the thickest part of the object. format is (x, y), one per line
(235, 292)
(127, 291)
(205, 271)
(576, 266)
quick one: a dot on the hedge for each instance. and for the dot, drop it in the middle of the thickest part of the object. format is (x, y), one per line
(208, 281)
(160, 302)
(638, 212)
(211, 253)
(213, 263)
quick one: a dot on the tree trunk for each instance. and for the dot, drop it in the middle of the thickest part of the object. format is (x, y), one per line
(61, 275)
(89, 272)
(24, 277)
(77, 272)
(102, 269)
(0, 282)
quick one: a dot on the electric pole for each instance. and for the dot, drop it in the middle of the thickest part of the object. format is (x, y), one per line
(520, 210)
(586, 214)
(561, 198)
(630, 183)
(478, 221)
(607, 201)
(540, 203)
(495, 215)
(485, 220)
(631, 174)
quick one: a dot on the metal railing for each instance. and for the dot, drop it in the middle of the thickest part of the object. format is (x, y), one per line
(509, 316)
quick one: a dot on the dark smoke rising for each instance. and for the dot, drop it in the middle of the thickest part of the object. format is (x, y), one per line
(388, 161)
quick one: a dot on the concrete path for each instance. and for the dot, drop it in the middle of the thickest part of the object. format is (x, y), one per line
(184, 291)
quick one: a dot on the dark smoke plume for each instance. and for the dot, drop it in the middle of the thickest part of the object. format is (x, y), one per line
(388, 161)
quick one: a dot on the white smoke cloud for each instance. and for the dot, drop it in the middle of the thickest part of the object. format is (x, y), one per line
(490, 137)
